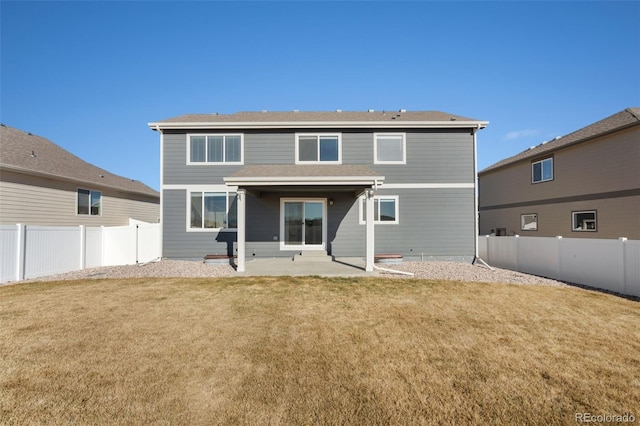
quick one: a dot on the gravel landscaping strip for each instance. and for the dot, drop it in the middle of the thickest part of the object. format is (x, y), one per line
(197, 269)
(455, 271)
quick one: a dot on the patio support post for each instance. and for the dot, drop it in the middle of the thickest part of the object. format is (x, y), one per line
(242, 195)
(370, 238)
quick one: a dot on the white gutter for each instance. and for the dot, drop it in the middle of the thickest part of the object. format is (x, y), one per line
(319, 125)
(303, 180)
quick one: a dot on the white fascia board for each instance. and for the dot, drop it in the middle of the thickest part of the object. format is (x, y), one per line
(321, 125)
(304, 180)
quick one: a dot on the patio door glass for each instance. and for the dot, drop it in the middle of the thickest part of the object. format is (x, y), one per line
(293, 223)
(312, 223)
(303, 223)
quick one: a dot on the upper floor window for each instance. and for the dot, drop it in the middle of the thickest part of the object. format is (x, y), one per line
(89, 202)
(584, 221)
(318, 148)
(215, 149)
(389, 148)
(213, 211)
(385, 209)
(542, 171)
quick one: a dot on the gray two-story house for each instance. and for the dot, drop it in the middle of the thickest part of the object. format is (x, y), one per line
(351, 184)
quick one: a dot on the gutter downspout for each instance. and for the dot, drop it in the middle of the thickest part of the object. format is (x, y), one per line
(475, 190)
(161, 189)
(476, 258)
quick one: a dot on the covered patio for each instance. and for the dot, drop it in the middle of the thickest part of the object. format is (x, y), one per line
(315, 181)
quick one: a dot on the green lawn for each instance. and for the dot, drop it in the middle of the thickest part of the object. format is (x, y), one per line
(309, 350)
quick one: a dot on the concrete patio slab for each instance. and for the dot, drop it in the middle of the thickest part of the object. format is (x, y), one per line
(340, 267)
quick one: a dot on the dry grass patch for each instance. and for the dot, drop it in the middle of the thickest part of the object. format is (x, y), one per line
(312, 350)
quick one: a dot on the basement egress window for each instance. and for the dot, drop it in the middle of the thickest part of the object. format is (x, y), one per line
(585, 221)
(529, 222)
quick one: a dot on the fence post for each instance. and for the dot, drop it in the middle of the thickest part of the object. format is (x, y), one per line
(517, 237)
(83, 247)
(102, 244)
(20, 251)
(559, 257)
(621, 264)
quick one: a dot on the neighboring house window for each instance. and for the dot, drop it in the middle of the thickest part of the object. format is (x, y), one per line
(318, 148)
(89, 202)
(215, 149)
(212, 211)
(529, 222)
(385, 209)
(389, 148)
(584, 221)
(542, 171)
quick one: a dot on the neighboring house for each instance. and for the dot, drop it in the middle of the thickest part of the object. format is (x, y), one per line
(582, 185)
(273, 184)
(43, 184)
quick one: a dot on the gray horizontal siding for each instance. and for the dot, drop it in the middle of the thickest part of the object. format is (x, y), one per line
(433, 156)
(34, 200)
(436, 222)
(177, 243)
(433, 223)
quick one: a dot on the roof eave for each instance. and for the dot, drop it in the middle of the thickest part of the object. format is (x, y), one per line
(73, 180)
(318, 125)
(552, 149)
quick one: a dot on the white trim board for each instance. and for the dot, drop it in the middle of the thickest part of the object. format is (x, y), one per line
(202, 187)
(427, 186)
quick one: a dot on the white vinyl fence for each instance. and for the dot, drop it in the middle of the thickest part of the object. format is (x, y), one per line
(28, 251)
(612, 265)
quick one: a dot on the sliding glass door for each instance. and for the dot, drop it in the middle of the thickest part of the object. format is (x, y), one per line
(303, 223)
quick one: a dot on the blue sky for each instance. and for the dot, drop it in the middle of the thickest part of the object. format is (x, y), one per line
(90, 75)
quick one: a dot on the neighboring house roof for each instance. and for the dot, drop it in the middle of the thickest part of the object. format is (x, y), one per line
(621, 120)
(27, 153)
(269, 119)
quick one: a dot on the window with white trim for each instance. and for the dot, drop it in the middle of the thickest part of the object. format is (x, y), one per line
(318, 148)
(89, 202)
(389, 148)
(584, 221)
(542, 171)
(215, 149)
(529, 222)
(386, 210)
(212, 211)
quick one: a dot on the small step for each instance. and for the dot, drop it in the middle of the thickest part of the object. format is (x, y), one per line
(312, 256)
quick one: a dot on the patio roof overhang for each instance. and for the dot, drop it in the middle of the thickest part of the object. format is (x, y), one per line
(302, 177)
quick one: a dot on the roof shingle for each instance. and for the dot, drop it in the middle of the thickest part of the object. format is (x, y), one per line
(618, 121)
(318, 116)
(31, 153)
